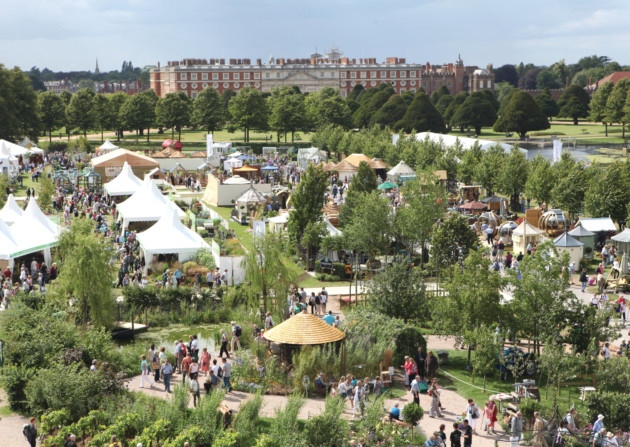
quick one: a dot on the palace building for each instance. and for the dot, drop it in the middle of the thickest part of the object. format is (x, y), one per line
(315, 73)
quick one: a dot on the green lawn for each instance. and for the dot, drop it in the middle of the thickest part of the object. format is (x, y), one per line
(464, 386)
(584, 132)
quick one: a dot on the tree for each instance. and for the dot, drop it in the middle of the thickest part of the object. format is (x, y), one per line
(116, 101)
(521, 115)
(52, 112)
(209, 110)
(86, 275)
(369, 228)
(392, 111)
(287, 111)
(452, 241)
(421, 116)
(547, 79)
(574, 103)
(399, 292)
(138, 112)
(365, 179)
(308, 200)
(572, 180)
(470, 160)
(490, 167)
(541, 180)
(364, 115)
(248, 110)
(541, 294)
(473, 300)
(476, 111)
(173, 112)
(558, 365)
(527, 81)
(102, 114)
(547, 104)
(598, 104)
(451, 108)
(46, 191)
(615, 104)
(18, 105)
(488, 347)
(424, 206)
(80, 111)
(606, 194)
(267, 272)
(506, 73)
(513, 176)
(327, 107)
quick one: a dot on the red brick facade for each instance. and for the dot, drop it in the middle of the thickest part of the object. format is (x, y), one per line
(310, 75)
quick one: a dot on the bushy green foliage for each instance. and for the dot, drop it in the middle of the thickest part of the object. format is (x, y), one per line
(73, 387)
(327, 429)
(246, 423)
(412, 413)
(14, 379)
(528, 407)
(614, 406)
(284, 428)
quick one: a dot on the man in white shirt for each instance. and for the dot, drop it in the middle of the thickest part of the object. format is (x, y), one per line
(227, 372)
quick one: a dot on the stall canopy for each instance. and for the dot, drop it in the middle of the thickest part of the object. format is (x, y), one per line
(8, 243)
(125, 183)
(34, 232)
(251, 197)
(107, 146)
(304, 329)
(236, 180)
(146, 205)
(170, 236)
(8, 162)
(399, 170)
(11, 211)
(16, 150)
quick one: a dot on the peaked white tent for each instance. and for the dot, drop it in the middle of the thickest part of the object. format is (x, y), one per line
(16, 150)
(237, 180)
(8, 243)
(11, 211)
(34, 232)
(107, 147)
(170, 236)
(8, 162)
(125, 183)
(399, 170)
(146, 205)
(525, 234)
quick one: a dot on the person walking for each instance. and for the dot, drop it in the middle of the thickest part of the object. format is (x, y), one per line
(539, 431)
(227, 372)
(490, 412)
(195, 390)
(167, 371)
(472, 413)
(583, 279)
(145, 372)
(435, 401)
(236, 336)
(224, 342)
(516, 426)
(30, 432)
(456, 436)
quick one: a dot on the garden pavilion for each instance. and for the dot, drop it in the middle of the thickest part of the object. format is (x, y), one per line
(303, 329)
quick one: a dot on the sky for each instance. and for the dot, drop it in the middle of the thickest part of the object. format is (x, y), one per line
(69, 35)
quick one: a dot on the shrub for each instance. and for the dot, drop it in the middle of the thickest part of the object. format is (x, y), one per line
(528, 407)
(407, 343)
(328, 428)
(615, 406)
(14, 379)
(412, 413)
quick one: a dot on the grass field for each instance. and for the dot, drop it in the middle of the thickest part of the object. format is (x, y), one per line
(462, 385)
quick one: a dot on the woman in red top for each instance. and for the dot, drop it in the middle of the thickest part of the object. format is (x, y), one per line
(205, 361)
(490, 414)
(408, 368)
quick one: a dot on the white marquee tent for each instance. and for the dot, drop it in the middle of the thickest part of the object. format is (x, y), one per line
(146, 205)
(8, 243)
(170, 236)
(106, 147)
(16, 150)
(8, 161)
(399, 170)
(11, 211)
(33, 232)
(124, 184)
